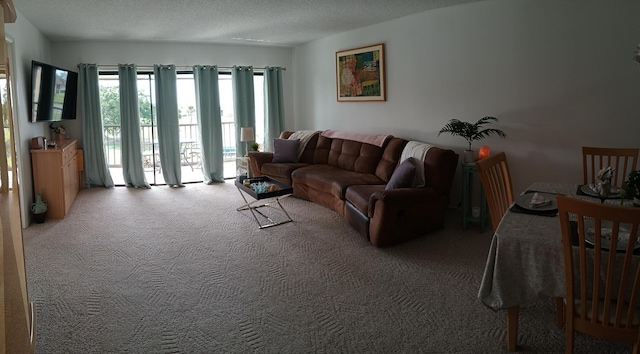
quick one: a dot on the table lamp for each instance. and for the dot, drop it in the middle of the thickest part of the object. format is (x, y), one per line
(485, 151)
(246, 135)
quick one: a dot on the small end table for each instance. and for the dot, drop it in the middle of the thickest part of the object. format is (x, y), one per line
(469, 173)
(243, 163)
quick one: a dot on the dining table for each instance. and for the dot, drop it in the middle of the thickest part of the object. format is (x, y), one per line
(525, 263)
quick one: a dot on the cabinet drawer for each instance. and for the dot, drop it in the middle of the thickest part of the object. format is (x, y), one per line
(68, 153)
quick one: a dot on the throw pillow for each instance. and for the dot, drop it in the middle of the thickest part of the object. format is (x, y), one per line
(285, 150)
(403, 176)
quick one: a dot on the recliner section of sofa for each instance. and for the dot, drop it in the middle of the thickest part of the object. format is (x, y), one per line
(350, 177)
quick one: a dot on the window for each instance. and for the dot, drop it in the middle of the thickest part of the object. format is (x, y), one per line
(188, 123)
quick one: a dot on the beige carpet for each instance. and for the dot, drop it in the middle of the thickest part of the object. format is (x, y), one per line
(171, 270)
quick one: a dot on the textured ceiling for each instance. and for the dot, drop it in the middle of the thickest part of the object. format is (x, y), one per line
(276, 22)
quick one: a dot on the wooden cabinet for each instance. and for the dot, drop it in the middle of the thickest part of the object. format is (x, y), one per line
(56, 176)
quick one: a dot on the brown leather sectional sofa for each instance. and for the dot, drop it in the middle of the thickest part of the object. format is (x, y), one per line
(350, 178)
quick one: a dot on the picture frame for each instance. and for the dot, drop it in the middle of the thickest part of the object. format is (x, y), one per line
(360, 74)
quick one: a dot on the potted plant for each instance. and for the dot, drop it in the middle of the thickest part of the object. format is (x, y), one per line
(254, 146)
(39, 209)
(631, 187)
(471, 132)
(58, 131)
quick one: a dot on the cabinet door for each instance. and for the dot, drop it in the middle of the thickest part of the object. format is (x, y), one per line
(70, 178)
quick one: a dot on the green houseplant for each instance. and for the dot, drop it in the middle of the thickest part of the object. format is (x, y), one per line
(472, 132)
(632, 187)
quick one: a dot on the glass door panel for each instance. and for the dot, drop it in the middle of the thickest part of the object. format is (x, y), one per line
(148, 129)
(190, 154)
(110, 107)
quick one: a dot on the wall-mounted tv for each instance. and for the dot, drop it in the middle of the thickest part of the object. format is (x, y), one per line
(53, 93)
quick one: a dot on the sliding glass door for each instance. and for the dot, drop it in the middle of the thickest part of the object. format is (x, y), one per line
(190, 153)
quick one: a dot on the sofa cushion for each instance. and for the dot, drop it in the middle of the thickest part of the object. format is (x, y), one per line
(359, 195)
(285, 150)
(332, 180)
(281, 171)
(404, 175)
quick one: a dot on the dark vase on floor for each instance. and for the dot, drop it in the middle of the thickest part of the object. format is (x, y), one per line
(39, 218)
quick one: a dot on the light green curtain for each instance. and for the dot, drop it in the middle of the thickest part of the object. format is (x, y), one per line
(168, 125)
(244, 107)
(273, 105)
(95, 163)
(209, 122)
(131, 150)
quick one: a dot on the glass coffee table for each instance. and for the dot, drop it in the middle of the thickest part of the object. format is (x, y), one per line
(261, 189)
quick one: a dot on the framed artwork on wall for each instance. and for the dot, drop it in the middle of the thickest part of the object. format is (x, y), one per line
(360, 74)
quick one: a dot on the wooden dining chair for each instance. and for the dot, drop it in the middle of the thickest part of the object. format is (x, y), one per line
(602, 287)
(496, 182)
(622, 160)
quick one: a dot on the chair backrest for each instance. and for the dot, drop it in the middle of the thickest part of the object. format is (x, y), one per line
(592, 272)
(622, 160)
(496, 181)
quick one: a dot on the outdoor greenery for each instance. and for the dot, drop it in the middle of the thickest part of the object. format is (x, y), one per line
(472, 131)
(110, 106)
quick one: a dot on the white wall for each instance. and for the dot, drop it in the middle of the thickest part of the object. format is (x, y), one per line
(557, 74)
(28, 44)
(70, 54)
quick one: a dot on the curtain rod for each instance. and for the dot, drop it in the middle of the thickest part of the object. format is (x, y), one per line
(178, 67)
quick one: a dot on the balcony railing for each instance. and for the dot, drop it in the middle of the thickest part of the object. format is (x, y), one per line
(149, 138)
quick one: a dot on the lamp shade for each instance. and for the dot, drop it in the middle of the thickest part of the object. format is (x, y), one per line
(246, 134)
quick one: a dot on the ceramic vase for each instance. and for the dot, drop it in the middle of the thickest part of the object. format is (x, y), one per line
(470, 156)
(39, 209)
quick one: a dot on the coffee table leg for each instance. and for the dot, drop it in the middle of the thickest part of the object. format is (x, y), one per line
(254, 209)
(246, 206)
(283, 210)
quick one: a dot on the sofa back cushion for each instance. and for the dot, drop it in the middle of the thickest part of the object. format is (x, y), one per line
(439, 169)
(390, 158)
(360, 157)
(348, 155)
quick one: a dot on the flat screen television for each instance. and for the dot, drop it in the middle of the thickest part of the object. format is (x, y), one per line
(53, 93)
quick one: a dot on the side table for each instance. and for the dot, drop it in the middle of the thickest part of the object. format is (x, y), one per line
(242, 163)
(469, 176)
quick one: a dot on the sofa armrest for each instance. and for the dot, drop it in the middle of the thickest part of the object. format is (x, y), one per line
(400, 197)
(257, 159)
(397, 215)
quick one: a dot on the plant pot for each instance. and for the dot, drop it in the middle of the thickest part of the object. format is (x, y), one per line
(39, 218)
(470, 156)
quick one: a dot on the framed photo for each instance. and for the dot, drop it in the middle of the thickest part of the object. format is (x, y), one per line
(360, 74)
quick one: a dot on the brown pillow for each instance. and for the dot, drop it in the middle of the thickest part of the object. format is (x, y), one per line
(285, 150)
(403, 176)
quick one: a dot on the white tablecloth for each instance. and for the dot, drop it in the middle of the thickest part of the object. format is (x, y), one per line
(525, 261)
